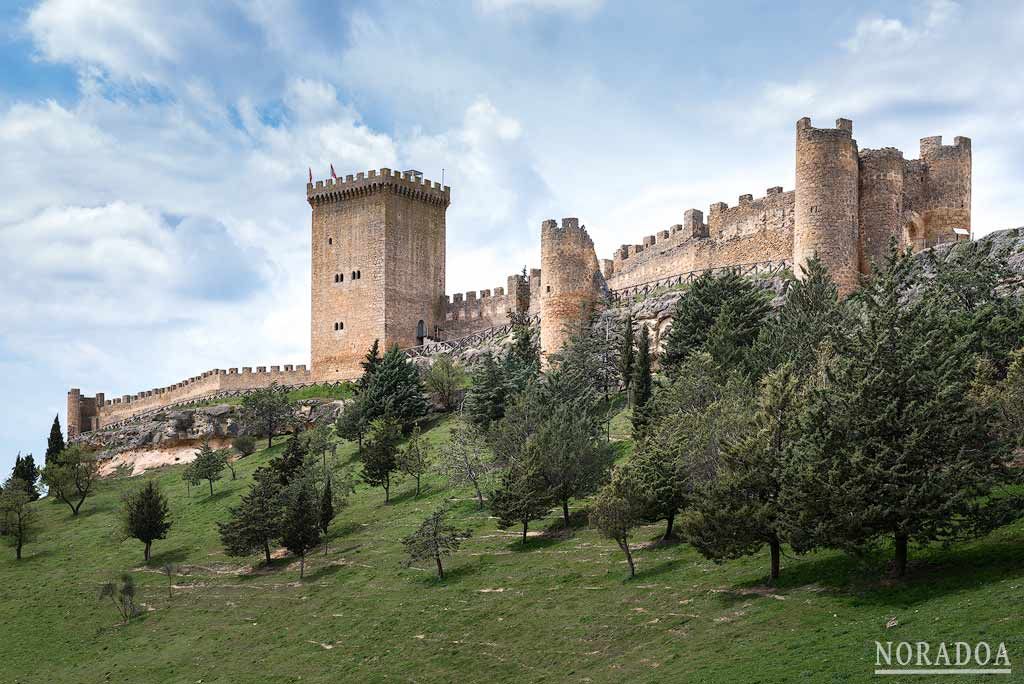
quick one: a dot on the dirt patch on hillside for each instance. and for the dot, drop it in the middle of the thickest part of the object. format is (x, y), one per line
(141, 460)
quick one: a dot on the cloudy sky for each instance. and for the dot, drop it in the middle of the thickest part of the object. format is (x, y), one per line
(153, 153)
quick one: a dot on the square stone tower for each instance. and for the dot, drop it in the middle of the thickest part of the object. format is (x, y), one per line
(378, 258)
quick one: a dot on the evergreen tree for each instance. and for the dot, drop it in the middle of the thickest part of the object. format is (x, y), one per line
(370, 363)
(265, 411)
(18, 520)
(689, 422)
(292, 459)
(487, 393)
(353, 421)
(256, 522)
(616, 512)
(55, 442)
(739, 511)
(890, 444)
(414, 458)
(809, 315)
(520, 498)
(245, 445)
(26, 473)
(300, 521)
(209, 463)
(434, 540)
(627, 353)
(145, 516)
(72, 477)
(326, 509)
(380, 458)
(394, 390)
(642, 381)
(522, 362)
(191, 478)
(700, 306)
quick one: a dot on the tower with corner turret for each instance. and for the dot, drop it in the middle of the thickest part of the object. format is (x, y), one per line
(571, 280)
(378, 266)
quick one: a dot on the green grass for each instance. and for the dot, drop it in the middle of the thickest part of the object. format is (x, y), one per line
(557, 610)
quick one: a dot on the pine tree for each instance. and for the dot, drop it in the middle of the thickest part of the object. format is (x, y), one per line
(520, 498)
(265, 411)
(353, 421)
(627, 353)
(292, 459)
(700, 306)
(395, 391)
(27, 474)
(256, 522)
(370, 363)
(809, 315)
(522, 361)
(414, 458)
(642, 381)
(890, 444)
(300, 522)
(18, 519)
(434, 540)
(616, 512)
(55, 443)
(326, 509)
(487, 393)
(739, 510)
(380, 458)
(209, 463)
(145, 516)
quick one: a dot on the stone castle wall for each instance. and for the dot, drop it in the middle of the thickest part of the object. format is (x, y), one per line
(754, 230)
(93, 413)
(470, 312)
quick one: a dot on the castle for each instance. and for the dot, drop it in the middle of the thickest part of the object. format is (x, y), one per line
(378, 257)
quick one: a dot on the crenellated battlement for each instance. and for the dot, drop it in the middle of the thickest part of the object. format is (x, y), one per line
(406, 183)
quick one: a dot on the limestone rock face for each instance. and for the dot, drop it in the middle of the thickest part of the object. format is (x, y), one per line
(173, 428)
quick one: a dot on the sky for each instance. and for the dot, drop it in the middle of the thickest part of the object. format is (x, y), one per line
(154, 153)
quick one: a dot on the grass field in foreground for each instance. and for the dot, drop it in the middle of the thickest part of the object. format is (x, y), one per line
(557, 610)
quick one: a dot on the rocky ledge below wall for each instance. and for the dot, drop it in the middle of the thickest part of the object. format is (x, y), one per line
(172, 436)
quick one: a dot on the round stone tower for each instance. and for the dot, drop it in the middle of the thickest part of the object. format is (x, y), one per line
(826, 220)
(881, 203)
(570, 281)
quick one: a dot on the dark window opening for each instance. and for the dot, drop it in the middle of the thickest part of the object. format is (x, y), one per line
(330, 241)
(341, 277)
(339, 326)
(421, 332)
(359, 275)
(353, 275)
(549, 288)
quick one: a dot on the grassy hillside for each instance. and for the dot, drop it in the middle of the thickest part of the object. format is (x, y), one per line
(557, 610)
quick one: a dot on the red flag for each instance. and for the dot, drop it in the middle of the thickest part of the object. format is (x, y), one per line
(310, 174)
(333, 175)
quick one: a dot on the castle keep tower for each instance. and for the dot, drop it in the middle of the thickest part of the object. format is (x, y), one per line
(378, 258)
(826, 213)
(571, 280)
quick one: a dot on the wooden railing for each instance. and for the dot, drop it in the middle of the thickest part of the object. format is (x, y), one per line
(759, 269)
(453, 346)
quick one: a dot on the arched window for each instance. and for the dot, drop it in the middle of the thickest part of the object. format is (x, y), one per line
(341, 277)
(359, 275)
(353, 275)
(421, 332)
(330, 241)
(339, 326)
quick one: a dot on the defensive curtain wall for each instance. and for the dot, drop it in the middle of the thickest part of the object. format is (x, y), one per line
(378, 256)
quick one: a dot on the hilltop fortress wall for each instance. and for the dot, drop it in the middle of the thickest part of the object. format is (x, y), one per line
(378, 251)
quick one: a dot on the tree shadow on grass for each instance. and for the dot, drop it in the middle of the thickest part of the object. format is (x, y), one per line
(535, 543)
(323, 571)
(659, 569)
(452, 575)
(933, 572)
(160, 558)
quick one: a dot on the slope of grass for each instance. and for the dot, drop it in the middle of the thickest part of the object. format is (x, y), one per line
(319, 391)
(558, 609)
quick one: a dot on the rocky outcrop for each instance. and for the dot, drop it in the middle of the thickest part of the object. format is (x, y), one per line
(177, 431)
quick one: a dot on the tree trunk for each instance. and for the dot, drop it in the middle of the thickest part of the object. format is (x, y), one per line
(629, 557)
(479, 499)
(418, 484)
(266, 550)
(302, 566)
(211, 487)
(387, 492)
(440, 569)
(78, 505)
(565, 512)
(149, 546)
(17, 550)
(669, 525)
(776, 549)
(901, 555)
(525, 524)
(270, 436)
